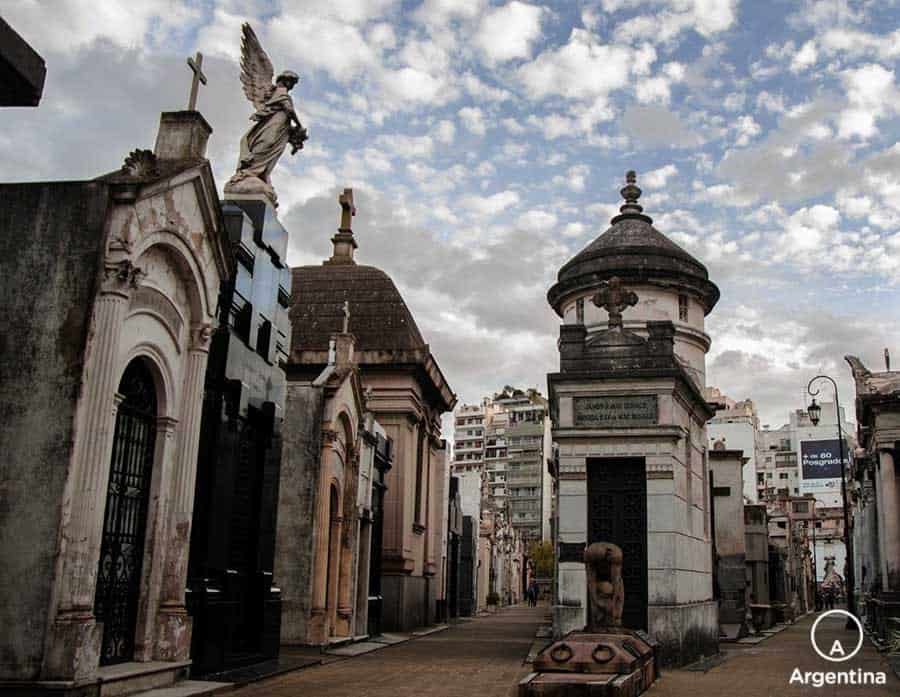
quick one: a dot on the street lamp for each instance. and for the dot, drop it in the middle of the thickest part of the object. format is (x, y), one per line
(815, 413)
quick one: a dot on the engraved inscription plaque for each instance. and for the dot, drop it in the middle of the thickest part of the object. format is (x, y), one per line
(616, 411)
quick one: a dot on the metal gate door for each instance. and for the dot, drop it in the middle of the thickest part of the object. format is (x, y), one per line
(617, 513)
(124, 522)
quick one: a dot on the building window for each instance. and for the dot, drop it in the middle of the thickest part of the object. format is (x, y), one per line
(683, 308)
(243, 318)
(264, 339)
(579, 311)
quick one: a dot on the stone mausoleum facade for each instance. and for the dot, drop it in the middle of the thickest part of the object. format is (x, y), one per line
(110, 287)
(352, 316)
(629, 419)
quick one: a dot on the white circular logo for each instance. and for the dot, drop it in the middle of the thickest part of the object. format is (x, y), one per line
(836, 652)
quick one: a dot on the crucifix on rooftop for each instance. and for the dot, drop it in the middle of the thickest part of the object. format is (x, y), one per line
(613, 298)
(348, 210)
(196, 65)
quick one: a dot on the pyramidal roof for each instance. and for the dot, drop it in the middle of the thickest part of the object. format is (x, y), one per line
(635, 251)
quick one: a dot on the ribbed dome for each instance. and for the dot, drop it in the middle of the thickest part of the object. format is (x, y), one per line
(379, 317)
(635, 251)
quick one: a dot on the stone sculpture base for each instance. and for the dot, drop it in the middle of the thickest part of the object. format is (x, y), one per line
(615, 662)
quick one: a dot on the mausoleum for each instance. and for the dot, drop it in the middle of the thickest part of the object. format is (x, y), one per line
(629, 419)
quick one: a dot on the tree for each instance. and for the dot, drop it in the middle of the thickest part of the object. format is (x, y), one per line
(541, 554)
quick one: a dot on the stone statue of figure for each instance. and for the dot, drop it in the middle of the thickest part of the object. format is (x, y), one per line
(275, 121)
(606, 592)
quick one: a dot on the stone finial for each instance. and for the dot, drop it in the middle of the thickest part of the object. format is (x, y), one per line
(614, 298)
(631, 192)
(344, 242)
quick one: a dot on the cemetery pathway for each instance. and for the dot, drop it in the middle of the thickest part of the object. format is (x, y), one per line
(482, 657)
(765, 669)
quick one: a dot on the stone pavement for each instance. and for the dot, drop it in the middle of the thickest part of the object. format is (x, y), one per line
(482, 657)
(764, 669)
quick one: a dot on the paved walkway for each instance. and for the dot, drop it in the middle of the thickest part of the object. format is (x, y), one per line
(484, 658)
(479, 658)
(764, 670)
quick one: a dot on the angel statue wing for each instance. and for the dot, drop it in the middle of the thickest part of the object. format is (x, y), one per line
(256, 69)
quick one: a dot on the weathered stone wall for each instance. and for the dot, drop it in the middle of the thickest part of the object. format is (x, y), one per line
(299, 482)
(51, 246)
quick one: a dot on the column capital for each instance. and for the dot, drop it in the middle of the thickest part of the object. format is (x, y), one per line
(201, 332)
(120, 278)
(166, 423)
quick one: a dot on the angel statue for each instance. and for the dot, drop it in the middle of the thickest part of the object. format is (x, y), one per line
(275, 121)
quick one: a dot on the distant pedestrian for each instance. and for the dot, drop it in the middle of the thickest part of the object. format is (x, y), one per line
(533, 593)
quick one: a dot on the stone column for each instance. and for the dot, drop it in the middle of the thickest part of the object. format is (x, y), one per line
(348, 545)
(889, 513)
(173, 636)
(73, 648)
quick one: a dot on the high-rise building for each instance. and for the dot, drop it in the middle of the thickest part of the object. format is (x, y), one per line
(507, 438)
(800, 459)
(737, 424)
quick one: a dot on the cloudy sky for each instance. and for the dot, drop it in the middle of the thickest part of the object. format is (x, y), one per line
(486, 143)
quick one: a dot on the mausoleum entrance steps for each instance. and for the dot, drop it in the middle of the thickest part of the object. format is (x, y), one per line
(154, 679)
(189, 688)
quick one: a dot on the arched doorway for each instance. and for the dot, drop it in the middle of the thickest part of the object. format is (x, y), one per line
(125, 517)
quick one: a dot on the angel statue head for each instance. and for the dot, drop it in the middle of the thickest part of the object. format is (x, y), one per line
(288, 78)
(275, 123)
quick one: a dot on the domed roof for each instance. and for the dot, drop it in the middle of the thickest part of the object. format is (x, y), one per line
(633, 250)
(379, 317)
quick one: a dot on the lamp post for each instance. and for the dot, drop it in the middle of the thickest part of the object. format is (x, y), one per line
(814, 560)
(815, 413)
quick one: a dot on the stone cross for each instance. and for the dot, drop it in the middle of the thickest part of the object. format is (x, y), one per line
(348, 210)
(346, 316)
(613, 298)
(196, 65)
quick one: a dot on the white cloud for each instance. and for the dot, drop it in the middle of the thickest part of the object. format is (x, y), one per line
(574, 229)
(804, 58)
(581, 69)
(706, 17)
(487, 206)
(806, 233)
(513, 126)
(509, 31)
(575, 178)
(67, 26)
(445, 131)
(658, 178)
(746, 129)
(473, 119)
(871, 94)
(405, 146)
(770, 102)
(858, 44)
(478, 89)
(536, 220)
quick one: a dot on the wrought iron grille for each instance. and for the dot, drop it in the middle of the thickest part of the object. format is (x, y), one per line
(617, 513)
(125, 517)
